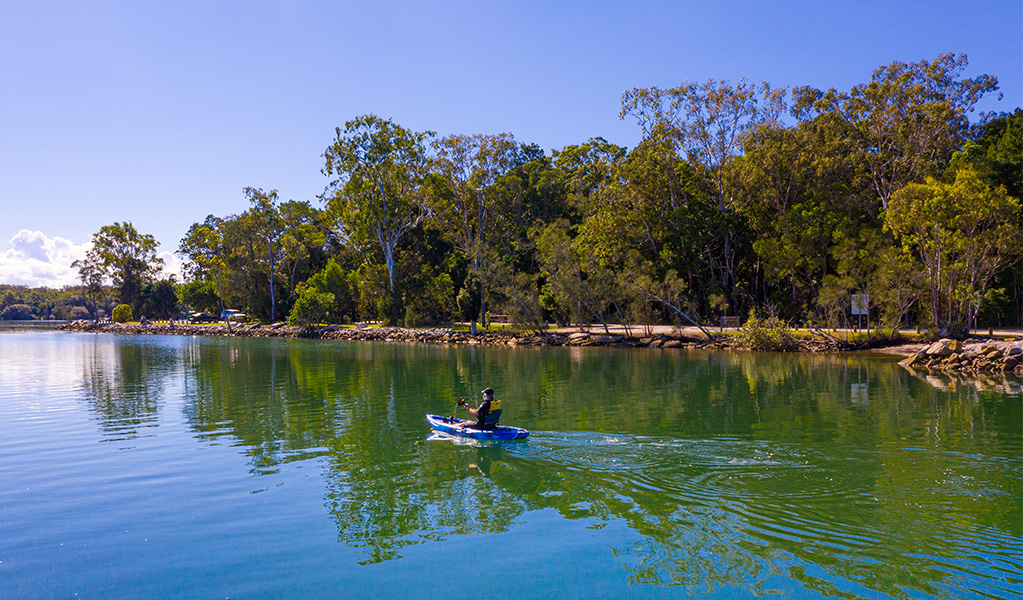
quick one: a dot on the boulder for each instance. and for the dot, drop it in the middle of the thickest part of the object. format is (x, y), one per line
(938, 350)
(912, 361)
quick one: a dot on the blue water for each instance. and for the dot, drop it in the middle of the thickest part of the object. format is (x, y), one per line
(177, 467)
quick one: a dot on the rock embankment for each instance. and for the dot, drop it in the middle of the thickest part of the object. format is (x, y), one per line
(397, 334)
(946, 355)
(971, 356)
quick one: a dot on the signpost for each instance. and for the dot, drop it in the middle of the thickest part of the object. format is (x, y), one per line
(861, 306)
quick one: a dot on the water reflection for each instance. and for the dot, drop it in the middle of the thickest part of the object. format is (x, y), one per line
(124, 382)
(842, 475)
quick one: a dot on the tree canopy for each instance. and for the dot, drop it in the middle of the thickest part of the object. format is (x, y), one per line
(738, 197)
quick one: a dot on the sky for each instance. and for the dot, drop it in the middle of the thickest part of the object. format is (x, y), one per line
(160, 113)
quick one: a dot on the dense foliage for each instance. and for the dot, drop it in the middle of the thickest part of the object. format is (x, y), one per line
(738, 196)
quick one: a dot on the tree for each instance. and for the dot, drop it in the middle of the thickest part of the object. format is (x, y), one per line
(202, 296)
(158, 300)
(964, 233)
(304, 239)
(327, 297)
(907, 121)
(377, 190)
(123, 254)
(575, 279)
(91, 273)
(264, 220)
(205, 255)
(465, 203)
(17, 312)
(706, 124)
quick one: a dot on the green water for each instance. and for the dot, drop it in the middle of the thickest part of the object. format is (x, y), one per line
(177, 467)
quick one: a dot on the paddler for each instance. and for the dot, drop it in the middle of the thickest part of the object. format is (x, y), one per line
(487, 414)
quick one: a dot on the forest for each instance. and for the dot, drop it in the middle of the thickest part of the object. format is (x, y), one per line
(739, 197)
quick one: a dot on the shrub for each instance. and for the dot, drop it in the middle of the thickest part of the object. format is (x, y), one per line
(312, 307)
(121, 314)
(79, 312)
(765, 334)
(17, 312)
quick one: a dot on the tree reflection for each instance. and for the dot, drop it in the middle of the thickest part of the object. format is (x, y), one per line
(839, 473)
(124, 381)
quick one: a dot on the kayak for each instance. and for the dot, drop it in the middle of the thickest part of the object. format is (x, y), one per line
(460, 427)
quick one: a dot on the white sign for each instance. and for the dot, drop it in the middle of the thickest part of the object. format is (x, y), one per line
(860, 304)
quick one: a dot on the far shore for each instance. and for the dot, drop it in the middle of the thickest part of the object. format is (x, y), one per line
(655, 336)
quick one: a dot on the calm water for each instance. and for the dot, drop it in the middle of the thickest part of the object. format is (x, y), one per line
(175, 467)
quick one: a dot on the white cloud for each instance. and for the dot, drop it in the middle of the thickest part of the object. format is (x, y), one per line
(171, 266)
(37, 260)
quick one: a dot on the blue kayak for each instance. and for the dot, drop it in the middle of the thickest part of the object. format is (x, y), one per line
(460, 427)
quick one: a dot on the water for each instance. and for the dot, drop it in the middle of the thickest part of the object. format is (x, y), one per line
(177, 467)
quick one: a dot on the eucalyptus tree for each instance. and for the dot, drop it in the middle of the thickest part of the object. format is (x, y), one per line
(907, 121)
(795, 197)
(584, 168)
(963, 233)
(264, 220)
(465, 203)
(91, 274)
(305, 240)
(377, 192)
(706, 125)
(582, 287)
(205, 254)
(123, 254)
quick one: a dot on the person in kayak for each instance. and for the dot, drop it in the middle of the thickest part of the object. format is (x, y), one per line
(487, 414)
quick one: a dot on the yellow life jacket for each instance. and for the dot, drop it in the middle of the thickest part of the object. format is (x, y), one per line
(492, 417)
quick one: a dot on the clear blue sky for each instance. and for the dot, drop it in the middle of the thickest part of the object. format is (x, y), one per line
(159, 113)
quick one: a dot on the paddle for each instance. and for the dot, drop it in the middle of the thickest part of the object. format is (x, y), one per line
(461, 403)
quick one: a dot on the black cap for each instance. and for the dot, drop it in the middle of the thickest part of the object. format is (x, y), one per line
(488, 392)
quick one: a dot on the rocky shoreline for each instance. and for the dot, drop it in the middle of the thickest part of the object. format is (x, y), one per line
(973, 356)
(437, 335)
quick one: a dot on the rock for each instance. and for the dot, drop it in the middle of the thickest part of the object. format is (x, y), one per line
(913, 360)
(1011, 363)
(938, 349)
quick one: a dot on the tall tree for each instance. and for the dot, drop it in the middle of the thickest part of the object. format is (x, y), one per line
(126, 256)
(465, 203)
(377, 191)
(204, 253)
(264, 219)
(963, 233)
(91, 273)
(706, 124)
(907, 121)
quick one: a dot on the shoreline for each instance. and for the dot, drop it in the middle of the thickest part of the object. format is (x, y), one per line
(973, 357)
(652, 337)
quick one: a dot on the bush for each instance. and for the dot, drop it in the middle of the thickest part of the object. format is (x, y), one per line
(765, 334)
(121, 314)
(17, 312)
(201, 296)
(79, 312)
(312, 307)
